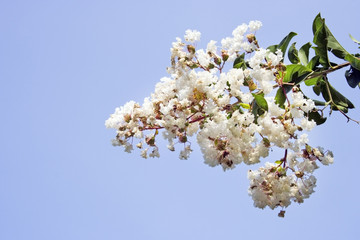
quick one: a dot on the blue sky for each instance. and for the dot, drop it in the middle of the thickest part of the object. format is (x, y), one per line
(66, 65)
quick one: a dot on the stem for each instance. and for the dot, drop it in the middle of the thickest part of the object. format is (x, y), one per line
(198, 119)
(348, 118)
(332, 102)
(284, 159)
(325, 72)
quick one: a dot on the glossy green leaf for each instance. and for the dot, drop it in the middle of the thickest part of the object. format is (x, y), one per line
(244, 105)
(295, 73)
(312, 81)
(240, 62)
(319, 103)
(304, 53)
(317, 23)
(273, 48)
(283, 44)
(352, 38)
(293, 54)
(280, 97)
(321, 31)
(354, 61)
(320, 39)
(339, 100)
(261, 101)
(319, 87)
(316, 116)
(314, 62)
(257, 111)
(334, 46)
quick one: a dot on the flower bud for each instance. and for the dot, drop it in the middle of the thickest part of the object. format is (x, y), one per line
(217, 60)
(183, 138)
(224, 55)
(211, 66)
(150, 141)
(266, 142)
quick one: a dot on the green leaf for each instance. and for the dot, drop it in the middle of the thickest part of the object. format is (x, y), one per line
(316, 116)
(334, 46)
(295, 73)
(340, 102)
(314, 62)
(319, 103)
(273, 48)
(293, 54)
(278, 162)
(320, 39)
(304, 53)
(318, 87)
(317, 23)
(240, 62)
(283, 44)
(280, 97)
(244, 105)
(352, 38)
(261, 101)
(354, 61)
(325, 36)
(312, 81)
(257, 111)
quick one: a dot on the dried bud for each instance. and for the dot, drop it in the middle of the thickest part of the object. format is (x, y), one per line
(127, 118)
(252, 85)
(281, 213)
(299, 174)
(191, 49)
(250, 37)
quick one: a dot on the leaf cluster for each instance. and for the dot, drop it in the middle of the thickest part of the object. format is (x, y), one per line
(313, 71)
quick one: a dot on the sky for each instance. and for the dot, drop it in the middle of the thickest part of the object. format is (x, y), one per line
(66, 65)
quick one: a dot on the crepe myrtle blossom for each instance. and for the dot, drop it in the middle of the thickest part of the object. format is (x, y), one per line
(232, 113)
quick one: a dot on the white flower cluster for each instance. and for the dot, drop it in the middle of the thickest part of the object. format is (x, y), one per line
(273, 186)
(234, 115)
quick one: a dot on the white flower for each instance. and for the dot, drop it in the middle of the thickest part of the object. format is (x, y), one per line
(254, 25)
(203, 57)
(144, 153)
(211, 47)
(327, 159)
(154, 153)
(239, 31)
(307, 125)
(185, 153)
(192, 36)
(275, 58)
